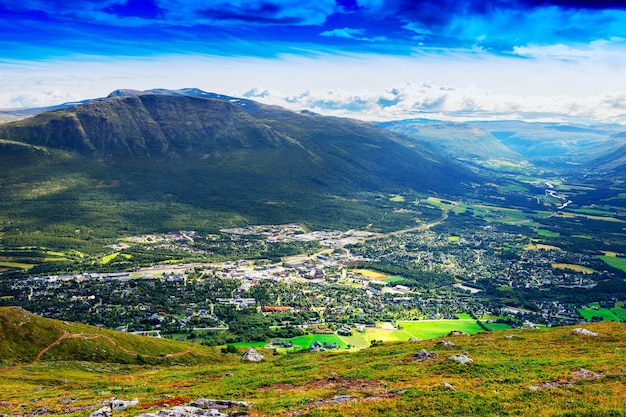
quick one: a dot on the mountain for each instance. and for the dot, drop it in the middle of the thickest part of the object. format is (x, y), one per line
(556, 144)
(166, 160)
(459, 140)
(55, 368)
(613, 162)
(214, 132)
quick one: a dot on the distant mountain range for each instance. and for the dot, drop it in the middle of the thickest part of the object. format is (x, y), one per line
(561, 147)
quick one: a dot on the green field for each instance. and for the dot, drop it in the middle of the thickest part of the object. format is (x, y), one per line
(547, 233)
(250, 344)
(615, 262)
(497, 326)
(306, 340)
(437, 328)
(607, 314)
(593, 211)
(619, 312)
(20, 265)
(392, 280)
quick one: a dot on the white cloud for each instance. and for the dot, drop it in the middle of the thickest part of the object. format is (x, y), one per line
(344, 33)
(349, 33)
(452, 103)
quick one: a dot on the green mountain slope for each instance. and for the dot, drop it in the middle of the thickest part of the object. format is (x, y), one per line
(135, 163)
(547, 372)
(459, 140)
(615, 161)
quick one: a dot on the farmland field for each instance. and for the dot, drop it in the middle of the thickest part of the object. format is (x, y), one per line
(306, 340)
(393, 280)
(428, 329)
(615, 262)
(619, 312)
(572, 267)
(369, 274)
(547, 233)
(605, 313)
(497, 326)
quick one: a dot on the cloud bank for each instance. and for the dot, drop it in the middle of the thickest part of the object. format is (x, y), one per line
(432, 101)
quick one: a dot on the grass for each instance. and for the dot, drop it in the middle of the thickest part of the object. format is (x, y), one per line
(397, 199)
(497, 326)
(380, 381)
(306, 340)
(615, 262)
(613, 314)
(370, 274)
(540, 246)
(572, 267)
(429, 329)
(108, 258)
(547, 233)
(20, 265)
(392, 280)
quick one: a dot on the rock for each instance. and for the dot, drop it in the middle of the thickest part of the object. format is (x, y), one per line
(252, 355)
(188, 411)
(218, 404)
(445, 343)
(121, 404)
(423, 355)
(457, 333)
(462, 359)
(448, 385)
(511, 336)
(584, 374)
(102, 412)
(584, 332)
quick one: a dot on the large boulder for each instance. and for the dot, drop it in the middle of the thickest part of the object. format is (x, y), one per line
(461, 359)
(252, 355)
(584, 332)
(424, 355)
(102, 412)
(457, 333)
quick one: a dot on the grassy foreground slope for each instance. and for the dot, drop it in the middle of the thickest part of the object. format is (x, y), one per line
(26, 338)
(548, 372)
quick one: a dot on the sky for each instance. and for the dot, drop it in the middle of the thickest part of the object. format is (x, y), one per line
(534, 60)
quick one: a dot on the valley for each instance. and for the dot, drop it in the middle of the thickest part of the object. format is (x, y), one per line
(187, 227)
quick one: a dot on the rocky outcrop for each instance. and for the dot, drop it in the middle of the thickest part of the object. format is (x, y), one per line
(584, 332)
(461, 359)
(424, 355)
(457, 333)
(252, 355)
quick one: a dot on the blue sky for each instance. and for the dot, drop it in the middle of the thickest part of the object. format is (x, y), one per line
(371, 59)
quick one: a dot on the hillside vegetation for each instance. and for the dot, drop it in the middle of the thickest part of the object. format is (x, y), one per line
(83, 175)
(547, 372)
(26, 338)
